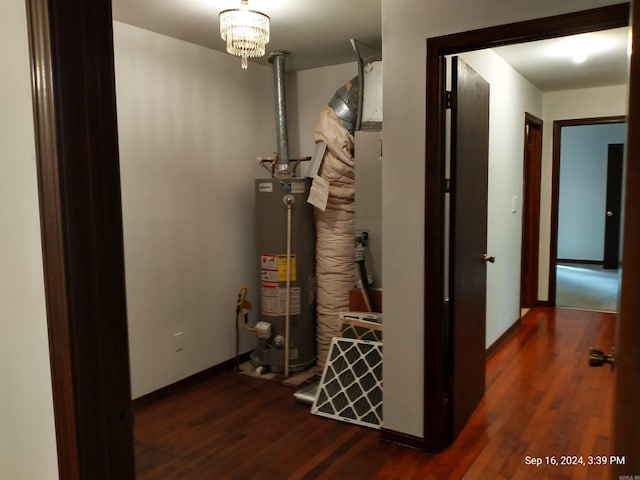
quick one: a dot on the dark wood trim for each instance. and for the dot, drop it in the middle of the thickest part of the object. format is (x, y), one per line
(532, 177)
(573, 122)
(580, 262)
(189, 382)
(73, 88)
(533, 119)
(495, 346)
(436, 352)
(399, 438)
(626, 421)
(555, 189)
(613, 16)
(555, 201)
(436, 348)
(45, 130)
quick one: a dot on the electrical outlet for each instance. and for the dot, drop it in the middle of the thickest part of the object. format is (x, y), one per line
(178, 344)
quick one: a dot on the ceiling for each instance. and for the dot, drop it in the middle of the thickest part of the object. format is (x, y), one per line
(317, 33)
(549, 66)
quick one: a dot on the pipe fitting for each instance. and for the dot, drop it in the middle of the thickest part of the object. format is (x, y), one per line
(345, 104)
(282, 164)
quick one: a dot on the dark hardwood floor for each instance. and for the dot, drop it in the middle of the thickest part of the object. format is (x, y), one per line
(542, 400)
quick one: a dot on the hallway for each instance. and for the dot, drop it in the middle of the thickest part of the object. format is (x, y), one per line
(587, 287)
(542, 400)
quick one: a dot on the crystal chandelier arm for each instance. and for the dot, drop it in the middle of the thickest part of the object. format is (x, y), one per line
(245, 31)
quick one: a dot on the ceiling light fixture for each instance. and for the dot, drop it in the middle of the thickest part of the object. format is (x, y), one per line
(580, 47)
(580, 57)
(245, 31)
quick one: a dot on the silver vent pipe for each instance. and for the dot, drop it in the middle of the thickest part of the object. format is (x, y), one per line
(282, 164)
(354, 45)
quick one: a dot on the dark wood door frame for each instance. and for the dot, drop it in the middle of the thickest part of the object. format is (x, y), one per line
(626, 421)
(555, 190)
(530, 253)
(73, 89)
(613, 224)
(436, 377)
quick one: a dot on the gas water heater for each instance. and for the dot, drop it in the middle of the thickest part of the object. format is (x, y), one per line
(284, 223)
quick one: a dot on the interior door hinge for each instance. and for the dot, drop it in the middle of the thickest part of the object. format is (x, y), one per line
(447, 185)
(448, 360)
(450, 101)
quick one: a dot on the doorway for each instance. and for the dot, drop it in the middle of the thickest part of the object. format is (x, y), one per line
(437, 382)
(91, 428)
(577, 278)
(532, 176)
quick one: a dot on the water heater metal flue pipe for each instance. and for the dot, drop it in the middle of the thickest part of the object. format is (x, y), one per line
(282, 165)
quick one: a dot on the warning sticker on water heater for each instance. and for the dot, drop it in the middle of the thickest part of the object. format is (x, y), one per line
(270, 276)
(273, 271)
(274, 301)
(282, 267)
(269, 262)
(273, 268)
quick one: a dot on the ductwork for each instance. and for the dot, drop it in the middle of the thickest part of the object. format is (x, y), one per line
(360, 77)
(345, 104)
(282, 165)
(335, 250)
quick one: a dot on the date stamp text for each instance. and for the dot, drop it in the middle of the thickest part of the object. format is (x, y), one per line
(585, 460)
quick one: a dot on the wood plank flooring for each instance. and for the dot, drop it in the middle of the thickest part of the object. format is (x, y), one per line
(542, 400)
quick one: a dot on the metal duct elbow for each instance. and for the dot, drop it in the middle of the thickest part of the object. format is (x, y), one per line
(345, 104)
(282, 165)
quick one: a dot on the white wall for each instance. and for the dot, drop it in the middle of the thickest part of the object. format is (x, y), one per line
(406, 24)
(583, 189)
(308, 93)
(27, 433)
(511, 95)
(191, 124)
(568, 105)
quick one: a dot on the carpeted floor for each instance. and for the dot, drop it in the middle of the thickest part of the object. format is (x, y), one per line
(587, 287)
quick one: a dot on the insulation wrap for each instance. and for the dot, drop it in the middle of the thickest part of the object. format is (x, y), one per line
(335, 230)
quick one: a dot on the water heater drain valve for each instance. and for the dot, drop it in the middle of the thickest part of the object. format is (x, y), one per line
(263, 330)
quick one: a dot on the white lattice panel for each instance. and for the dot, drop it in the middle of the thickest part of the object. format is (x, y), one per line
(351, 386)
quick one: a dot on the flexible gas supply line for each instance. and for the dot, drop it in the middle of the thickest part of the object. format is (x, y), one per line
(241, 304)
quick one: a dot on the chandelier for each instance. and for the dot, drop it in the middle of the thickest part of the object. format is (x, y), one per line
(245, 31)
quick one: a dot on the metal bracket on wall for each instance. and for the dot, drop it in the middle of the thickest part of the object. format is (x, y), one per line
(449, 100)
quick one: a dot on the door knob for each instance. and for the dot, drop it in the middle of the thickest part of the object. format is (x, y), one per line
(489, 259)
(597, 358)
(609, 213)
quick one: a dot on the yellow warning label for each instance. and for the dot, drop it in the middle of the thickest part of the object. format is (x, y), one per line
(282, 268)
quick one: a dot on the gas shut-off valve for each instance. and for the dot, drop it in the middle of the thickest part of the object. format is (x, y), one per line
(243, 307)
(263, 330)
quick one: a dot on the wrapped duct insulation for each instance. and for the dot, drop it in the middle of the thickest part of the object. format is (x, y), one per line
(335, 229)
